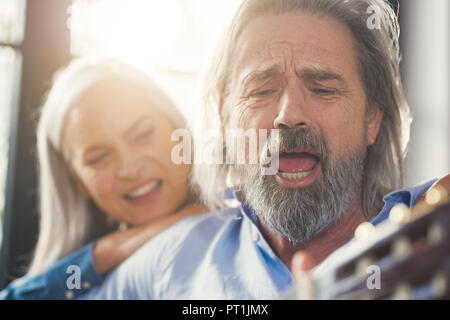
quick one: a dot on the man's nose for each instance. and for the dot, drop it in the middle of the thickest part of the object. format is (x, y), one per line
(291, 112)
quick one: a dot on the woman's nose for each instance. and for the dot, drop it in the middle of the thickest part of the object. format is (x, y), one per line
(129, 169)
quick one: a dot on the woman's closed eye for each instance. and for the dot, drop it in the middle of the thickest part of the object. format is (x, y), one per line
(144, 135)
(98, 158)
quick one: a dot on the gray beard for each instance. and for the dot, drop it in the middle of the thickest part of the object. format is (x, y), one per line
(300, 214)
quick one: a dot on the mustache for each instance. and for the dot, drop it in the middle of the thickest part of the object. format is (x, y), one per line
(300, 138)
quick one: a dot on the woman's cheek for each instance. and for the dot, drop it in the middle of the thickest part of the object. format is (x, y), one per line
(99, 183)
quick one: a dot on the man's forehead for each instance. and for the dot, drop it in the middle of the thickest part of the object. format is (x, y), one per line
(294, 40)
(306, 60)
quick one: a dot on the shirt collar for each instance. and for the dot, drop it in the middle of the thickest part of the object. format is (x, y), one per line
(246, 210)
(408, 196)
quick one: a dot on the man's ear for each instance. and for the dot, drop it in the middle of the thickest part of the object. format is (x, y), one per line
(374, 117)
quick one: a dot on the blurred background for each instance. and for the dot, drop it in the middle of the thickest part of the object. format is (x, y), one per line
(172, 39)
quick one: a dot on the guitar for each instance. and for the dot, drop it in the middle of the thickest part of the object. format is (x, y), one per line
(405, 257)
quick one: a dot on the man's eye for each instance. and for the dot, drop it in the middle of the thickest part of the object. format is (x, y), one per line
(323, 92)
(263, 93)
(99, 158)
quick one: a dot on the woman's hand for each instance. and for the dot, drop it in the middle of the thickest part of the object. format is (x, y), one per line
(112, 249)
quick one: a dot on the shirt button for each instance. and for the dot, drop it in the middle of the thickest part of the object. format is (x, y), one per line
(86, 285)
(232, 203)
(255, 236)
(69, 294)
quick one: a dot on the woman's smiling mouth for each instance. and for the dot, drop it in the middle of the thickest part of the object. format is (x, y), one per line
(144, 193)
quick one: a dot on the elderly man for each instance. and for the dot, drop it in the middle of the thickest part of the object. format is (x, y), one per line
(329, 81)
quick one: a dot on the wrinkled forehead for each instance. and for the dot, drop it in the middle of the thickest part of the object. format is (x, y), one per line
(294, 40)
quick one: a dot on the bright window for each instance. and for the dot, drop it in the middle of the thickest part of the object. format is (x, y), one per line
(12, 16)
(172, 38)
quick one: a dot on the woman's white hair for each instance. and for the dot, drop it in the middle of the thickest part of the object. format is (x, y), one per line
(378, 55)
(67, 219)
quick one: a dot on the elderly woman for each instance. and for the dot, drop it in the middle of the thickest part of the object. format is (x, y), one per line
(107, 182)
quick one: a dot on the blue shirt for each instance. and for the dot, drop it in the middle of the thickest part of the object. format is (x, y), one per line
(57, 282)
(213, 256)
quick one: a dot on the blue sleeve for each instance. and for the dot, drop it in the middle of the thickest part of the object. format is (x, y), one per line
(67, 278)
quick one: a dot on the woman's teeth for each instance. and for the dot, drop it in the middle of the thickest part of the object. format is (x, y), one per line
(145, 189)
(295, 176)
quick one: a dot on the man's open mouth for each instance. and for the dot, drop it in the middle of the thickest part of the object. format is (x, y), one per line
(297, 167)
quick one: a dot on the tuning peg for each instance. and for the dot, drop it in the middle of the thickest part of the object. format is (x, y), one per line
(400, 214)
(439, 284)
(363, 263)
(436, 195)
(435, 233)
(401, 248)
(364, 231)
(402, 291)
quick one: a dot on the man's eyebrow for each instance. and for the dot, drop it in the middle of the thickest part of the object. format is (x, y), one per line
(316, 74)
(261, 74)
(308, 73)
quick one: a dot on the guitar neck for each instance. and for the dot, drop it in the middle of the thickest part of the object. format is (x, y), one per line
(394, 261)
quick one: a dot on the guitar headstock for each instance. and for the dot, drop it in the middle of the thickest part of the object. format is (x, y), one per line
(405, 257)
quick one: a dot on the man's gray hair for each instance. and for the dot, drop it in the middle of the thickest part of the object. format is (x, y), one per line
(378, 55)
